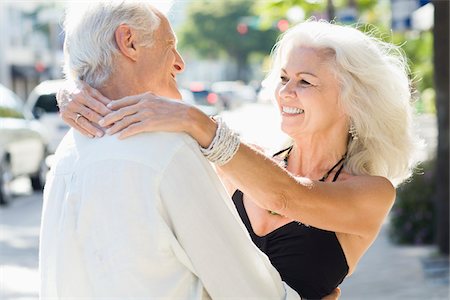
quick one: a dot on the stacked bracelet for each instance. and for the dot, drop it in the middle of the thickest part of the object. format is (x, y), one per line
(224, 145)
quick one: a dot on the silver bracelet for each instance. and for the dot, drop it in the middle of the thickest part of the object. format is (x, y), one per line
(224, 145)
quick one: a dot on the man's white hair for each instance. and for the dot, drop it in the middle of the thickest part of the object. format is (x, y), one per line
(375, 93)
(90, 46)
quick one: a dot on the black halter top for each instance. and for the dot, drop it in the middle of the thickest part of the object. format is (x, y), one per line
(310, 260)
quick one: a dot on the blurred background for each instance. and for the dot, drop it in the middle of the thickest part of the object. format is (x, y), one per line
(225, 44)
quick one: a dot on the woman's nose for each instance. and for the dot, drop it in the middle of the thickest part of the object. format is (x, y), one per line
(287, 91)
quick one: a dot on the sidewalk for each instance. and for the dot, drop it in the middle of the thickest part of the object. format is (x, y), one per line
(389, 271)
(19, 242)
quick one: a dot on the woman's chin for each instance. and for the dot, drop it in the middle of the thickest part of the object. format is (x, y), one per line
(291, 128)
(290, 131)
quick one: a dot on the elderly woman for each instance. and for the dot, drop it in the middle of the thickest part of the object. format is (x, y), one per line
(344, 99)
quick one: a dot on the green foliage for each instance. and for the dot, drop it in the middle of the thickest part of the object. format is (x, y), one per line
(427, 102)
(413, 212)
(277, 9)
(419, 50)
(273, 10)
(6, 112)
(211, 30)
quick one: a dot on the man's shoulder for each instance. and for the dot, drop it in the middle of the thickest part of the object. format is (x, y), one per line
(153, 146)
(152, 149)
(155, 150)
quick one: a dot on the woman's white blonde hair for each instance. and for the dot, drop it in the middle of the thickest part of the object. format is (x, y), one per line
(90, 46)
(375, 93)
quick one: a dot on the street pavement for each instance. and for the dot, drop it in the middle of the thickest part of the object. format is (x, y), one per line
(19, 242)
(387, 271)
(391, 272)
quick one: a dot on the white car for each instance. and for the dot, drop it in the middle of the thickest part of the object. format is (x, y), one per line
(42, 103)
(23, 147)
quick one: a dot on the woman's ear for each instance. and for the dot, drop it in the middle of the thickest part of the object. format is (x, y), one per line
(126, 41)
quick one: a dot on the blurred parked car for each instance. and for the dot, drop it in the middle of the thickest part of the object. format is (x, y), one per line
(234, 93)
(188, 97)
(42, 103)
(23, 146)
(203, 96)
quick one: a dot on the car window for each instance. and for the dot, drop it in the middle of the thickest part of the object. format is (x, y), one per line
(200, 97)
(47, 103)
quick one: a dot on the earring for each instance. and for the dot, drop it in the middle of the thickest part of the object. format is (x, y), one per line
(353, 132)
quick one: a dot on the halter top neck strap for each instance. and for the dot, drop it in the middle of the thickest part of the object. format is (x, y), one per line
(338, 172)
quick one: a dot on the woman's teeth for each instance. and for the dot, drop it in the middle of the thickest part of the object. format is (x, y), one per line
(292, 110)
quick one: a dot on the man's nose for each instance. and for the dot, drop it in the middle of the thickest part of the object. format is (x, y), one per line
(179, 63)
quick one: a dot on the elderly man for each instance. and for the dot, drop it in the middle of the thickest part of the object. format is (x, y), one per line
(143, 218)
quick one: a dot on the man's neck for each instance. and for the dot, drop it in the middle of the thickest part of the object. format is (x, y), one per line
(119, 86)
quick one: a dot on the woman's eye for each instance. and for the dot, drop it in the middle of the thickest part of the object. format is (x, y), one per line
(304, 83)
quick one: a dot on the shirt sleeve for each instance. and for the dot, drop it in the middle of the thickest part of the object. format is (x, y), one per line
(206, 225)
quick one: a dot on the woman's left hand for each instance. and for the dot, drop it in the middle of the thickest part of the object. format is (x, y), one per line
(146, 112)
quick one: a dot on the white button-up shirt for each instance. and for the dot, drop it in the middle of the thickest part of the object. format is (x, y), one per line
(145, 218)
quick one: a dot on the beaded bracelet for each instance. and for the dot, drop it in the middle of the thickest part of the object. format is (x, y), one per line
(224, 145)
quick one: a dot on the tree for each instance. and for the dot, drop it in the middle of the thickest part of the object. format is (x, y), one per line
(274, 9)
(441, 79)
(226, 28)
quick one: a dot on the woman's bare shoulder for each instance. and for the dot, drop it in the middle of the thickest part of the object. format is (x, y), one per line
(371, 186)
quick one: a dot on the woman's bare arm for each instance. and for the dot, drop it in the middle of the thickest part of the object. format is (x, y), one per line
(357, 205)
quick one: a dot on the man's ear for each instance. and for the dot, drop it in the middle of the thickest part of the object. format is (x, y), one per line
(126, 41)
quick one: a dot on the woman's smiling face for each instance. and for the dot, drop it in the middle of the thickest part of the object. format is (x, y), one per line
(308, 91)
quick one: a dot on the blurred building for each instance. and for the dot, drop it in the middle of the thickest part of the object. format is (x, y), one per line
(30, 43)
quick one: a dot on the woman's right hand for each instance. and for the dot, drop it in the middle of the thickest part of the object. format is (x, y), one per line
(82, 107)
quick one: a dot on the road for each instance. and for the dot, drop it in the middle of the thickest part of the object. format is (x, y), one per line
(386, 272)
(19, 242)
